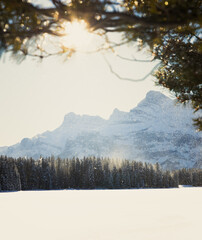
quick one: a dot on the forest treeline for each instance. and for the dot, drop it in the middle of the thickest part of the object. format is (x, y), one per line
(89, 173)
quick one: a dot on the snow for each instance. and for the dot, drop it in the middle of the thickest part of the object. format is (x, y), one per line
(155, 130)
(146, 214)
(183, 186)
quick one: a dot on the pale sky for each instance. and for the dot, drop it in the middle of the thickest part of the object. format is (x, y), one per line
(35, 96)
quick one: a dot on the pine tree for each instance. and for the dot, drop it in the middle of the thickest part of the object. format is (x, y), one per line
(116, 178)
(9, 175)
(98, 173)
(91, 179)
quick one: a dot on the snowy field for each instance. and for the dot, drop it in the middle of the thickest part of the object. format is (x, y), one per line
(167, 214)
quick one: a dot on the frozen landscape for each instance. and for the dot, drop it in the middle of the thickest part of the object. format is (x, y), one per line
(168, 214)
(101, 120)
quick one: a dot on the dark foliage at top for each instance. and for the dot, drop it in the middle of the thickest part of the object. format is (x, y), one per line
(171, 28)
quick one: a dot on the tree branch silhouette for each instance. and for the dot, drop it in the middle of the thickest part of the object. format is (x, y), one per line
(131, 79)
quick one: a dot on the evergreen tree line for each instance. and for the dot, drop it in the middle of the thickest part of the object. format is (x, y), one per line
(89, 173)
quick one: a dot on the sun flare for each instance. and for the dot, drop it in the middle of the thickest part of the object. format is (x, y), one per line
(77, 35)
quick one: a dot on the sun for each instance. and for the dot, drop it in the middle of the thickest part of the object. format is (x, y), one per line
(77, 35)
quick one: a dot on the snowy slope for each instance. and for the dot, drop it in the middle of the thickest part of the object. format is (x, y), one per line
(156, 130)
(144, 214)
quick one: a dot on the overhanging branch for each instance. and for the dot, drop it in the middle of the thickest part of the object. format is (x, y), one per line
(135, 60)
(130, 79)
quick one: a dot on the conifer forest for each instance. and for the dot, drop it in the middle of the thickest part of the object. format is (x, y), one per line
(89, 173)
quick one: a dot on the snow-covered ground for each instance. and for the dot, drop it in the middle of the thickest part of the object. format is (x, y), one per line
(163, 214)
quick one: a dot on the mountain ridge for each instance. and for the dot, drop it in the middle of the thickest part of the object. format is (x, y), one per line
(156, 130)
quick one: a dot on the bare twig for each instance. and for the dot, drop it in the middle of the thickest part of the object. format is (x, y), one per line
(135, 60)
(105, 48)
(131, 79)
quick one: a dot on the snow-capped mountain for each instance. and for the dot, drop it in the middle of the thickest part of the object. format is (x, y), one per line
(157, 130)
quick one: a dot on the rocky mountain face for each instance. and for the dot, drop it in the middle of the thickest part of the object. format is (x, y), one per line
(157, 130)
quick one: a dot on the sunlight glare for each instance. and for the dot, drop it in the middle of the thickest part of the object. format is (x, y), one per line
(77, 36)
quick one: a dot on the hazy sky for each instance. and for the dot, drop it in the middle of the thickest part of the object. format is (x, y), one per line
(35, 96)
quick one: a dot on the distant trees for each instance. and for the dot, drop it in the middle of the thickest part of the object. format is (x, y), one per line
(9, 175)
(89, 173)
(190, 176)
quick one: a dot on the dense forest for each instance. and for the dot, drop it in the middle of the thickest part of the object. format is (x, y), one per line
(89, 173)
